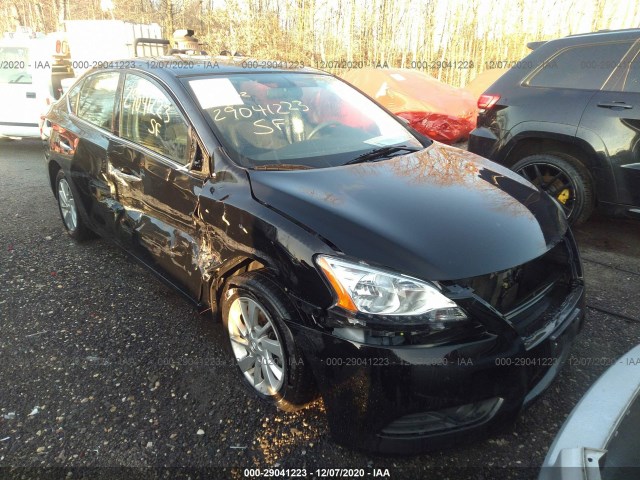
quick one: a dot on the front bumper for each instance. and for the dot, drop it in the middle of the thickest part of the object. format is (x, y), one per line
(404, 400)
(19, 130)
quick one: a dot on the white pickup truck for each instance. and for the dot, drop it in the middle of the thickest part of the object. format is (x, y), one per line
(32, 67)
(35, 69)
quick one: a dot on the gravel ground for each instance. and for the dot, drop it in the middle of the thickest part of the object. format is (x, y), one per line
(101, 365)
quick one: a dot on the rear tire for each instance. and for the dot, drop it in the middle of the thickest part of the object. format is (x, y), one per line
(565, 179)
(68, 208)
(254, 314)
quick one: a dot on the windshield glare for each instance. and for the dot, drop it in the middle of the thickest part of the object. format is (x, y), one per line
(295, 119)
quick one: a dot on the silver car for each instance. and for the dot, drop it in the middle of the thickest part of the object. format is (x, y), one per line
(600, 440)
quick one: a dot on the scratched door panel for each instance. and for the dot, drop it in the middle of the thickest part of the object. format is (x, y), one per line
(163, 227)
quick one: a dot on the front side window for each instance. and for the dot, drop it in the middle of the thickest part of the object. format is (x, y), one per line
(301, 119)
(151, 119)
(97, 99)
(585, 67)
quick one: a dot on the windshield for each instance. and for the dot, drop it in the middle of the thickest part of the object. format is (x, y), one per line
(296, 119)
(14, 62)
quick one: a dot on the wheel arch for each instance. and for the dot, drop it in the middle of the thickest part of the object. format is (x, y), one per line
(230, 269)
(595, 163)
(53, 167)
(301, 380)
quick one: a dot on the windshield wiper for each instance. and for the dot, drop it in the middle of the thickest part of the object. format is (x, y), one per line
(380, 153)
(282, 166)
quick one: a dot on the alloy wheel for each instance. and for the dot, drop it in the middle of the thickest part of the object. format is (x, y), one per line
(256, 345)
(553, 180)
(67, 205)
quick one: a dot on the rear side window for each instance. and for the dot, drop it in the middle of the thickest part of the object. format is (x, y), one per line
(97, 98)
(586, 67)
(632, 77)
(151, 119)
(73, 96)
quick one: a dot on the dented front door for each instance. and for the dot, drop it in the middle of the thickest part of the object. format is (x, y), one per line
(159, 192)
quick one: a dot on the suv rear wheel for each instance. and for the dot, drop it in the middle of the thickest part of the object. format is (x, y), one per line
(564, 178)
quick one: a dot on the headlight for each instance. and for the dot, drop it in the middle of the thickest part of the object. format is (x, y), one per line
(360, 288)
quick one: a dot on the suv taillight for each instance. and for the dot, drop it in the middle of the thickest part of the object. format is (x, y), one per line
(485, 102)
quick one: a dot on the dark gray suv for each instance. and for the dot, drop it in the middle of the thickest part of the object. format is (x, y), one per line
(567, 118)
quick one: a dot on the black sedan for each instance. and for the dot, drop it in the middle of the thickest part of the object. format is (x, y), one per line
(427, 294)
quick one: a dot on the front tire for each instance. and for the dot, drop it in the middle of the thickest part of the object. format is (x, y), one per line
(565, 179)
(254, 314)
(68, 208)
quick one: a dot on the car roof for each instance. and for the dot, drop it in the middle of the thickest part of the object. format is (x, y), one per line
(178, 65)
(599, 36)
(544, 50)
(608, 32)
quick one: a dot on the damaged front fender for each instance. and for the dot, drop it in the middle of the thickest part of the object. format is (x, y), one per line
(235, 233)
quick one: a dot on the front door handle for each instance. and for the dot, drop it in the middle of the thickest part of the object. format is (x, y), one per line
(622, 105)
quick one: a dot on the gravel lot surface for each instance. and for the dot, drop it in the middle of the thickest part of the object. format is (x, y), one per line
(101, 365)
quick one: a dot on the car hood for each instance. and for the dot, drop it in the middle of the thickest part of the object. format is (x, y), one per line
(440, 214)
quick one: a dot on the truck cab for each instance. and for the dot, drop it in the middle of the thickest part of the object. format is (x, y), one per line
(32, 67)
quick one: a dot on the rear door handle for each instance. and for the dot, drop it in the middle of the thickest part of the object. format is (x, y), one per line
(31, 94)
(64, 144)
(622, 105)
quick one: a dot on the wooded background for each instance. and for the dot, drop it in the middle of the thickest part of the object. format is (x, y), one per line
(453, 40)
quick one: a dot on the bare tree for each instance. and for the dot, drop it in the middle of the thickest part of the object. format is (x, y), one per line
(452, 40)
